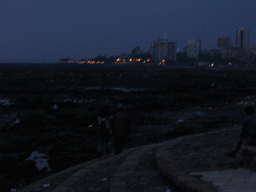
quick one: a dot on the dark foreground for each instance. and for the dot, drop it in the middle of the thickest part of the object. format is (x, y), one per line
(164, 103)
(183, 162)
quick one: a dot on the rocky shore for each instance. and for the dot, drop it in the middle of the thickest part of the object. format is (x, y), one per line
(53, 110)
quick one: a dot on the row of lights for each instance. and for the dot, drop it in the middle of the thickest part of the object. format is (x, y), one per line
(95, 62)
(88, 62)
(120, 60)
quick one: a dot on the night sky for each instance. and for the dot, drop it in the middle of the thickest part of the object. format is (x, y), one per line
(47, 30)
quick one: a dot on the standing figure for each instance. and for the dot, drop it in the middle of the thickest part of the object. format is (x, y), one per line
(103, 130)
(121, 129)
(248, 135)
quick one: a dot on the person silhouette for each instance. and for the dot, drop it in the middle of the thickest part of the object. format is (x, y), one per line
(121, 129)
(103, 130)
(248, 135)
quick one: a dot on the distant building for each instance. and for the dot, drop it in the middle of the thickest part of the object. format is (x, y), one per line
(193, 48)
(162, 51)
(253, 49)
(238, 53)
(224, 42)
(243, 39)
(219, 53)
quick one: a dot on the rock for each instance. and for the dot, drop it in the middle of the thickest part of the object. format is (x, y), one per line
(40, 159)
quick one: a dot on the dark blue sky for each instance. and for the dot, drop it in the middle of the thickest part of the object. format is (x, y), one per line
(47, 30)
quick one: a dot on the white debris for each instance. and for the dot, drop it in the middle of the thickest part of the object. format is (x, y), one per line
(120, 105)
(180, 120)
(40, 159)
(168, 190)
(105, 179)
(90, 126)
(5, 102)
(46, 185)
(55, 106)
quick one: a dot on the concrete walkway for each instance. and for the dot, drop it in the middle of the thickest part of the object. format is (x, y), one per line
(230, 180)
(225, 180)
(142, 169)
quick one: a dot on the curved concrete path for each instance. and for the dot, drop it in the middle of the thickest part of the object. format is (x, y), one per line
(226, 180)
(138, 169)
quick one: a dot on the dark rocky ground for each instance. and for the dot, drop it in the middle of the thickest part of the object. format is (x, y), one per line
(164, 103)
(206, 153)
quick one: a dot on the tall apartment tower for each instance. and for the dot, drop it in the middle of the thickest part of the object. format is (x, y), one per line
(243, 39)
(162, 49)
(193, 48)
(224, 42)
(224, 47)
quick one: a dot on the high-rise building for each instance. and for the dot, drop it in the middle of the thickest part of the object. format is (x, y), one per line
(163, 51)
(243, 39)
(224, 42)
(224, 46)
(193, 48)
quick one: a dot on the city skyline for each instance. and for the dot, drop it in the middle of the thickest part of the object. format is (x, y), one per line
(44, 31)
